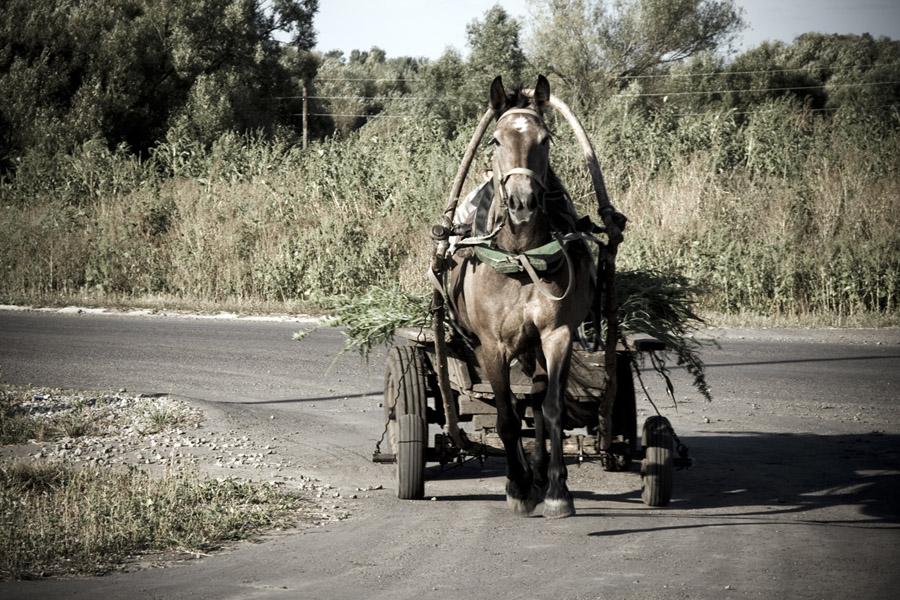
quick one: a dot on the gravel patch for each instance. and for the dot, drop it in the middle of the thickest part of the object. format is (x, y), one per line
(160, 433)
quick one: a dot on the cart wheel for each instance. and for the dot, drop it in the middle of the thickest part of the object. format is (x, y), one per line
(404, 408)
(404, 389)
(624, 414)
(411, 457)
(657, 469)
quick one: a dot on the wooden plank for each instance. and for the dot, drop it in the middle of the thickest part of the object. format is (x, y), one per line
(419, 335)
(571, 445)
(459, 374)
(485, 388)
(469, 405)
(484, 421)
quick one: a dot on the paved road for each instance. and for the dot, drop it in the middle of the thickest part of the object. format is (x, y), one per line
(210, 359)
(795, 492)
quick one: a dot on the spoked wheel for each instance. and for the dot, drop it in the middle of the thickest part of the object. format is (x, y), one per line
(657, 468)
(407, 429)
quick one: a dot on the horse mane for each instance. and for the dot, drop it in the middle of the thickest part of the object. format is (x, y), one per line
(555, 185)
(516, 99)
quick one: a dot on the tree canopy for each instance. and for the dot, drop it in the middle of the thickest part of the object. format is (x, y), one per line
(595, 47)
(135, 73)
(129, 71)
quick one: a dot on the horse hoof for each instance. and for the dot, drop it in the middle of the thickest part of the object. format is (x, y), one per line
(555, 508)
(524, 506)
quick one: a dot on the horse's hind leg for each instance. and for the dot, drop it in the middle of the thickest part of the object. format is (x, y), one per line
(521, 494)
(557, 350)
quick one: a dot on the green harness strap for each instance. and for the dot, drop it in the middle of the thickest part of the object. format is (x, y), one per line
(542, 259)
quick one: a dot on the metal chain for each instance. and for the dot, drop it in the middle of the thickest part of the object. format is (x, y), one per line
(387, 421)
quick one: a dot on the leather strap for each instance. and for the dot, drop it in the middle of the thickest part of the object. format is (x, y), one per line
(521, 111)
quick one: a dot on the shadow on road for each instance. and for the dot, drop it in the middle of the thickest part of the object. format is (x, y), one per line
(794, 473)
(760, 476)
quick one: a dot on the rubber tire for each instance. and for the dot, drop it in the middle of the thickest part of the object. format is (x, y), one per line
(411, 457)
(404, 389)
(624, 415)
(405, 405)
(657, 468)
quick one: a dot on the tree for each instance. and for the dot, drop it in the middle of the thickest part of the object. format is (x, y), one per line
(457, 88)
(127, 71)
(595, 47)
(495, 48)
(444, 82)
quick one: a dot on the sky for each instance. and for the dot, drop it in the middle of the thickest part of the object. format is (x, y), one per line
(426, 28)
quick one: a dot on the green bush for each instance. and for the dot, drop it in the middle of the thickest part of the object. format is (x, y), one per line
(776, 212)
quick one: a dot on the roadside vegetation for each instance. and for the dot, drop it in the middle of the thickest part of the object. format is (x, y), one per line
(79, 504)
(63, 520)
(768, 179)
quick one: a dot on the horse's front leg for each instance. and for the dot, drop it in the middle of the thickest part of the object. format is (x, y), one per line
(521, 495)
(539, 458)
(557, 348)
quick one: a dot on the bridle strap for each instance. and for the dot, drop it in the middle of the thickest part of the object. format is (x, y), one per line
(523, 171)
(521, 111)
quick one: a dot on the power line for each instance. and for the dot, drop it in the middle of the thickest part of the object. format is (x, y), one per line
(656, 76)
(755, 72)
(691, 114)
(355, 116)
(750, 112)
(355, 98)
(375, 79)
(641, 95)
(743, 91)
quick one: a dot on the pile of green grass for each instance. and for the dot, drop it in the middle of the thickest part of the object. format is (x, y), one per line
(651, 303)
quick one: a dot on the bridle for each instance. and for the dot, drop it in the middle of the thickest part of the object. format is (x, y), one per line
(501, 177)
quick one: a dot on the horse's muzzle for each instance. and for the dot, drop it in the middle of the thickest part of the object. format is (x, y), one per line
(523, 198)
(521, 210)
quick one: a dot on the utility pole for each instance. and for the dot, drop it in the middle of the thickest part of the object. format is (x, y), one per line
(305, 113)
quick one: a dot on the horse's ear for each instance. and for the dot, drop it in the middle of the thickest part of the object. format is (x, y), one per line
(498, 94)
(541, 92)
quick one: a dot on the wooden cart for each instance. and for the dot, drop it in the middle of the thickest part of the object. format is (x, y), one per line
(420, 391)
(412, 402)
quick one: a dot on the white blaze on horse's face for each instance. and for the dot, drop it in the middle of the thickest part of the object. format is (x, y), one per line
(520, 124)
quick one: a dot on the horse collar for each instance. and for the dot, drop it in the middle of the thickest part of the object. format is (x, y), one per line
(544, 259)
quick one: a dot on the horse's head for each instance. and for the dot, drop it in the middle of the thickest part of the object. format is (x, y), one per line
(522, 149)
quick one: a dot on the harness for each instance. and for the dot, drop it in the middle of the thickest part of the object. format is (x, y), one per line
(547, 259)
(544, 259)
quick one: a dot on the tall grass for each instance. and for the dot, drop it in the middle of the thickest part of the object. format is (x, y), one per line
(779, 213)
(59, 520)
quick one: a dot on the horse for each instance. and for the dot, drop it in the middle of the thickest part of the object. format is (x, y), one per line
(508, 317)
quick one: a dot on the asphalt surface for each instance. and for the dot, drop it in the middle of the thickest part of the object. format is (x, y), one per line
(795, 491)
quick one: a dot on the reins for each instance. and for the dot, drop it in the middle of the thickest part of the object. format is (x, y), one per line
(539, 284)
